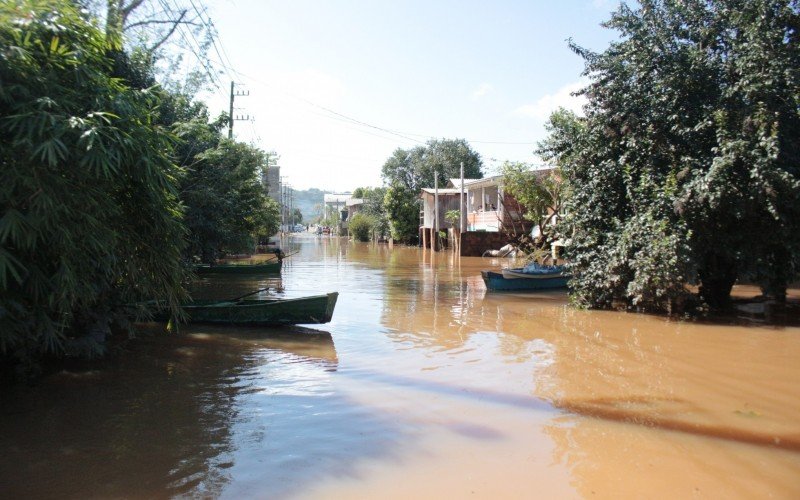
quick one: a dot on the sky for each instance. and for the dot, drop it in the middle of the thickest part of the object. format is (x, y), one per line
(334, 87)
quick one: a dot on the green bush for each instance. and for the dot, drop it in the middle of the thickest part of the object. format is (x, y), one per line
(362, 226)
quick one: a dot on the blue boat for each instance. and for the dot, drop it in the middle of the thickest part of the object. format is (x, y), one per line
(530, 277)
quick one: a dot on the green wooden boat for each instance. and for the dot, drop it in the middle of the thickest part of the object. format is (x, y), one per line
(315, 309)
(265, 267)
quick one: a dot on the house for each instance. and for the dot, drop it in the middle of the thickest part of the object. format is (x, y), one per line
(353, 206)
(336, 210)
(431, 219)
(490, 213)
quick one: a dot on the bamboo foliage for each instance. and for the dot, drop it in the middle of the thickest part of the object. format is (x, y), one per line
(89, 216)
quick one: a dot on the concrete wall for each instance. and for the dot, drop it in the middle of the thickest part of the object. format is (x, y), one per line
(273, 180)
(474, 243)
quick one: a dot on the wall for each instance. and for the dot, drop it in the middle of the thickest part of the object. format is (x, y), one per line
(474, 243)
(447, 202)
(273, 180)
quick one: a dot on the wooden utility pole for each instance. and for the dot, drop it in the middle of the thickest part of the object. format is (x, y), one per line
(461, 204)
(231, 118)
(435, 239)
(291, 209)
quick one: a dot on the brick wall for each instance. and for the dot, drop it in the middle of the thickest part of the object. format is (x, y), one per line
(474, 243)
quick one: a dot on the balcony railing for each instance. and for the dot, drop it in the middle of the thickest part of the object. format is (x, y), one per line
(483, 221)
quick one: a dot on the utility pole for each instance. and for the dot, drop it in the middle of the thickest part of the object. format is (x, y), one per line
(435, 209)
(461, 204)
(283, 205)
(231, 118)
(291, 209)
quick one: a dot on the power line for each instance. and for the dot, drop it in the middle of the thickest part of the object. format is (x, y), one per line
(219, 49)
(201, 60)
(226, 64)
(405, 135)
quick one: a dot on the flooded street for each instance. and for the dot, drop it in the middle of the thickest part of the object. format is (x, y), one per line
(426, 387)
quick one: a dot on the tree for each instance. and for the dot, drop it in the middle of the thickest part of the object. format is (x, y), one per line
(685, 167)
(540, 194)
(226, 205)
(89, 215)
(223, 190)
(361, 226)
(414, 169)
(149, 23)
(373, 205)
(402, 209)
(297, 216)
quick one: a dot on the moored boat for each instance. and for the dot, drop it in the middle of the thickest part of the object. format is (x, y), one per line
(531, 277)
(314, 309)
(265, 267)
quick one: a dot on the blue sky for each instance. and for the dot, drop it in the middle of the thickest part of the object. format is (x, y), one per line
(328, 79)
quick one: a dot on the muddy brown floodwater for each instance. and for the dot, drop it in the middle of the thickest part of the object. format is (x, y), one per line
(423, 386)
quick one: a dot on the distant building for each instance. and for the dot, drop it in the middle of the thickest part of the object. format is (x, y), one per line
(336, 209)
(354, 205)
(272, 178)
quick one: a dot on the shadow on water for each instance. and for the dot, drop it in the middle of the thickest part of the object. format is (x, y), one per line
(188, 415)
(665, 413)
(641, 411)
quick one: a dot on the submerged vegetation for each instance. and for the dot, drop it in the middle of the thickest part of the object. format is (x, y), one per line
(110, 185)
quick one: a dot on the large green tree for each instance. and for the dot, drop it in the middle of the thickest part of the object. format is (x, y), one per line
(414, 168)
(89, 215)
(685, 168)
(402, 209)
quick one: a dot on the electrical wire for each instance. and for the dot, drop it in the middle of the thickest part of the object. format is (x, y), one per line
(404, 135)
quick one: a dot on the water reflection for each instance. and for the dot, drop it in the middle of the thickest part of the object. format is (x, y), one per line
(423, 385)
(193, 415)
(712, 387)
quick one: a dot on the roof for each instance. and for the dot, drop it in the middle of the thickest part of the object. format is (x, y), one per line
(354, 201)
(441, 190)
(494, 180)
(457, 182)
(337, 197)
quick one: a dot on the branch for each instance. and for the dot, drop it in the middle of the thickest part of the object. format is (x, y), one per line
(160, 21)
(169, 33)
(125, 11)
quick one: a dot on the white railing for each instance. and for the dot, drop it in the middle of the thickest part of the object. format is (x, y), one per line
(483, 221)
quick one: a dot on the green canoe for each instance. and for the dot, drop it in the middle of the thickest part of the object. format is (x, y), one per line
(271, 311)
(266, 267)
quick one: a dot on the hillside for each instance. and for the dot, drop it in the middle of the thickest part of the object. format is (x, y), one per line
(309, 202)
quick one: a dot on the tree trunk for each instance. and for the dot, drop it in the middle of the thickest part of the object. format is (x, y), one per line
(717, 274)
(776, 282)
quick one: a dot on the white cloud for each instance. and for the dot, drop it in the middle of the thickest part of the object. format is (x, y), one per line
(482, 90)
(561, 98)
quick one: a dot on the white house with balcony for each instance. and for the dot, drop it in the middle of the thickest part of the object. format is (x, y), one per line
(490, 213)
